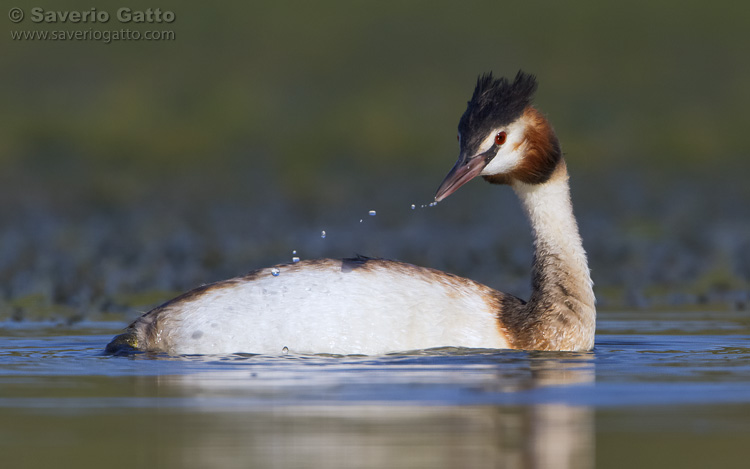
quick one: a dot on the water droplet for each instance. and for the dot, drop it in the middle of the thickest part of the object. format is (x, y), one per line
(285, 350)
(373, 213)
(413, 206)
(360, 220)
(295, 259)
(433, 204)
(275, 271)
(294, 252)
(323, 234)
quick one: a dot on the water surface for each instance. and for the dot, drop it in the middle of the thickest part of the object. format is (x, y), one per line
(661, 389)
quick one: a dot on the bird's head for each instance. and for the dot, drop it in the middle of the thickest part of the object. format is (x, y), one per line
(502, 137)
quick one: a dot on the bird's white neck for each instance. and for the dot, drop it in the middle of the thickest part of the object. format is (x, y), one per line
(561, 310)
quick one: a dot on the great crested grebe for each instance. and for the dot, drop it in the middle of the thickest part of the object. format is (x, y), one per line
(374, 306)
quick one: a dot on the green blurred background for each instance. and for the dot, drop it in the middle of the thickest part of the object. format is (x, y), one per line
(323, 103)
(298, 88)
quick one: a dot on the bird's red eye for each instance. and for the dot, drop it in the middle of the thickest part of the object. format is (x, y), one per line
(500, 138)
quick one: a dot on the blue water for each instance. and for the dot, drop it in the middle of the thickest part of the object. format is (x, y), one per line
(653, 377)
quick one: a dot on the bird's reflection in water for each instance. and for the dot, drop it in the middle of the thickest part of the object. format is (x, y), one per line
(561, 435)
(502, 417)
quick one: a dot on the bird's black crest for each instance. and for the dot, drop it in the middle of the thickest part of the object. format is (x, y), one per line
(495, 102)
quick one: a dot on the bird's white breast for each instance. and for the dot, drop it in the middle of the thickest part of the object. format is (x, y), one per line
(343, 307)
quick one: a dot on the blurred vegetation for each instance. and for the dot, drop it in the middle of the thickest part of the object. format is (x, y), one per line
(320, 103)
(299, 88)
